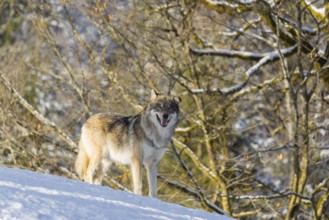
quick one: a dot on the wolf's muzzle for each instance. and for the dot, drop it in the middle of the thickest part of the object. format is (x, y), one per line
(163, 120)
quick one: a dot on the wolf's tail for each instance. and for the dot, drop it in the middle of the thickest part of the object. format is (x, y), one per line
(81, 164)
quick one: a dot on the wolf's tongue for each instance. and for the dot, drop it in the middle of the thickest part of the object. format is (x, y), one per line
(164, 122)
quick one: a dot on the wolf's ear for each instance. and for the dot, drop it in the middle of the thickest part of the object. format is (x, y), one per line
(154, 95)
(177, 99)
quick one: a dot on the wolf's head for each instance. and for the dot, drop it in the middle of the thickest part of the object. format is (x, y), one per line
(164, 110)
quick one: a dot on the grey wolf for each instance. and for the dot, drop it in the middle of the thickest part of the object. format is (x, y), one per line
(135, 140)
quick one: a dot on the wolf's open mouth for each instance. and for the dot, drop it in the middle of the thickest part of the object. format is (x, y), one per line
(163, 122)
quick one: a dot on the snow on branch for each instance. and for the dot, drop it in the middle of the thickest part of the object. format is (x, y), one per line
(238, 5)
(305, 199)
(228, 53)
(319, 13)
(241, 54)
(71, 145)
(266, 58)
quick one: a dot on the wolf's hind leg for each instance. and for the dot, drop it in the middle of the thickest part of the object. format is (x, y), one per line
(101, 170)
(94, 162)
(81, 163)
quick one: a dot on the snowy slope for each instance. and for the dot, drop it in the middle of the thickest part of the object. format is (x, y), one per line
(30, 195)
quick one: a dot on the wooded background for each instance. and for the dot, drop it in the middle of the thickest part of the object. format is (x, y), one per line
(253, 77)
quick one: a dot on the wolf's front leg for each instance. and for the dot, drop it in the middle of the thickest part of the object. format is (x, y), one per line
(136, 172)
(152, 172)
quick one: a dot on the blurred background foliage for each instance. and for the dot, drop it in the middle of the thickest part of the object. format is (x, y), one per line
(253, 77)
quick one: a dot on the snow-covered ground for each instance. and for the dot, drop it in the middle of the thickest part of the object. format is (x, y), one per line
(30, 195)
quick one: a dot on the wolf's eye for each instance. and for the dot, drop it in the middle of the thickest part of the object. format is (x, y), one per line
(157, 108)
(173, 108)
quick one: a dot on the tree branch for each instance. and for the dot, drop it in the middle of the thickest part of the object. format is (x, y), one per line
(199, 193)
(71, 145)
(269, 57)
